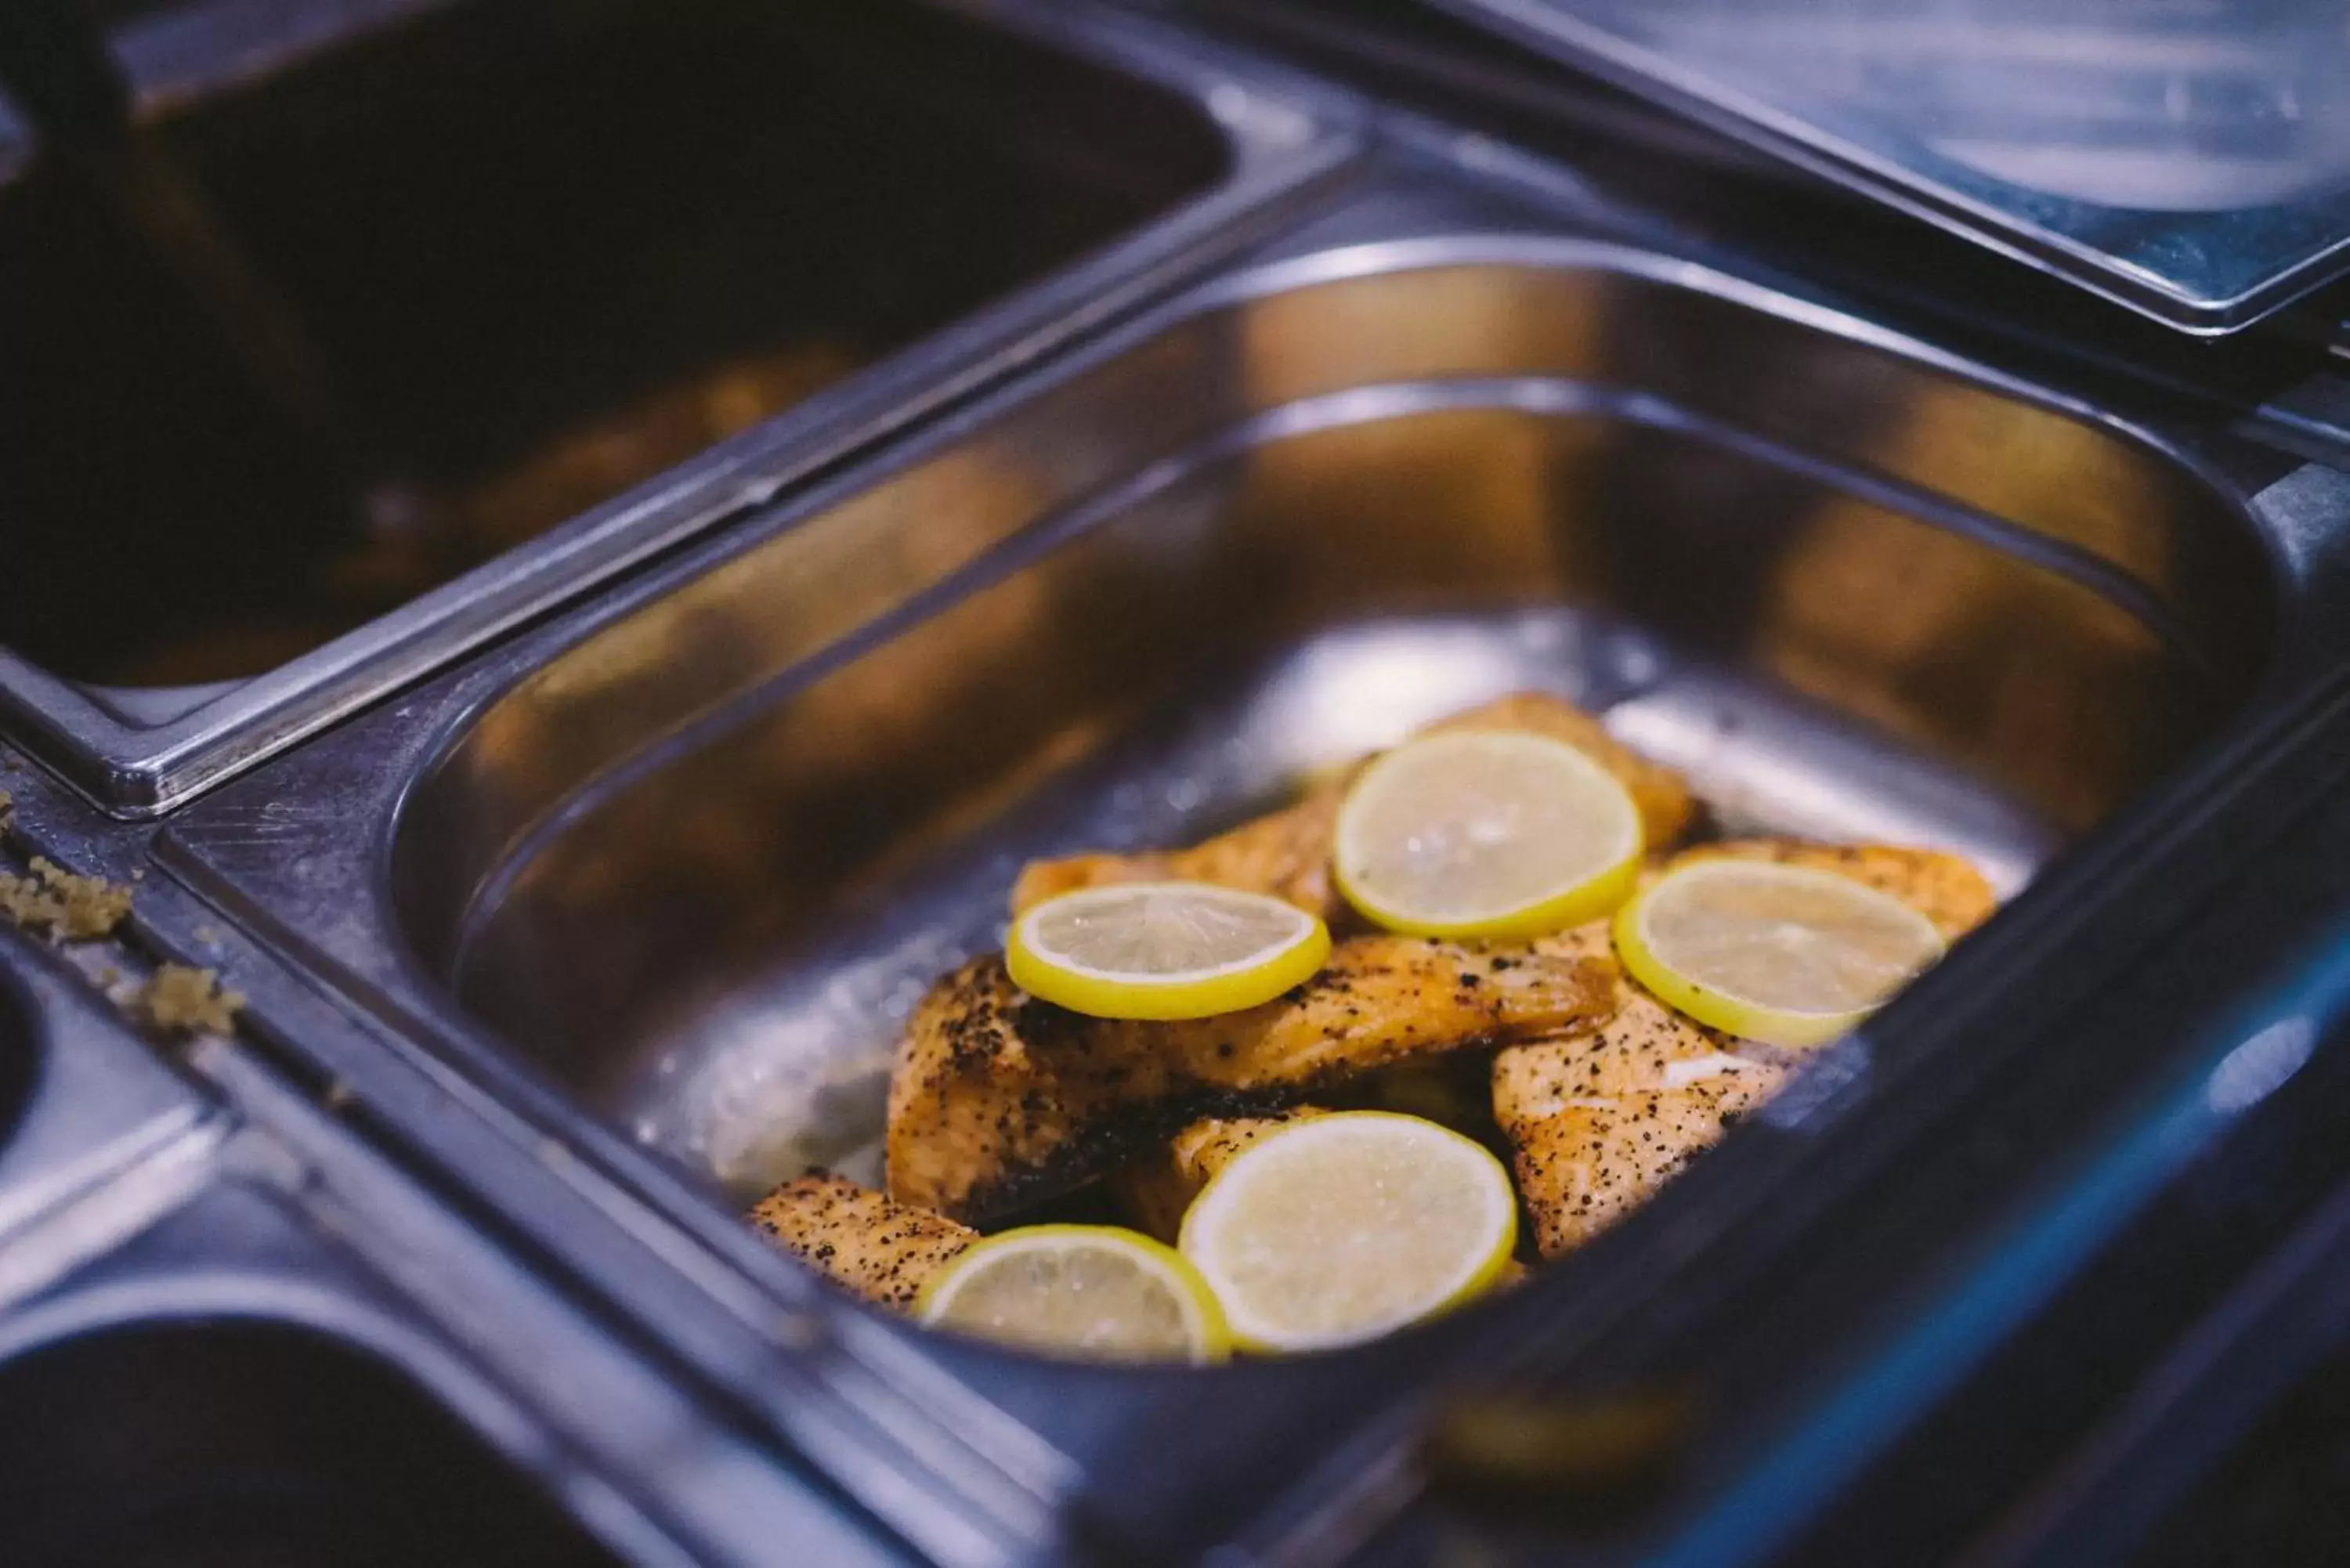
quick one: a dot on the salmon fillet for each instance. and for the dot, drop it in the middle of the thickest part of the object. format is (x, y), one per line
(1287, 853)
(1600, 1115)
(883, 1251)
(997, 1099)
(1156, 1189)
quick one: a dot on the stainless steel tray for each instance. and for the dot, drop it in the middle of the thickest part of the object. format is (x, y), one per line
(275, 1420)
(2163, 1337)
(647, 880)
(231, 1334)
(2193, 164)
(79, 1098)
(598, 278)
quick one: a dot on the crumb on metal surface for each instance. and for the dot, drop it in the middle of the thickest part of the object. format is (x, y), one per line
(8, 813)
(52, 898)
(179, 997)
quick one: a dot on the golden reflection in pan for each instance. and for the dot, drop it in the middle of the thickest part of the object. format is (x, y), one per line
(558, 480)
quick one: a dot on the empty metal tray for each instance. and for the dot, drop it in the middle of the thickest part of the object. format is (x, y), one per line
(233, 1334)
(589, 278)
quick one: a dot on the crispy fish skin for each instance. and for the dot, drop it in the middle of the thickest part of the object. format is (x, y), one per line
(1157, 1188)
(1600, 1116)
(1287, 853)
(997, 1098)
(881, 1249)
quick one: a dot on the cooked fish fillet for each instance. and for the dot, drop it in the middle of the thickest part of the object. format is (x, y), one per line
(1157, 1188)
(1287, 853)
(997, 1098)
(1599, 1117)
(884, 1250)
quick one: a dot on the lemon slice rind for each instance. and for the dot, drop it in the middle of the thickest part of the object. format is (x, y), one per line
(1303, 1254)
(1044, 957)
(1206, 1338)
(1908, 938)
(1581, 819)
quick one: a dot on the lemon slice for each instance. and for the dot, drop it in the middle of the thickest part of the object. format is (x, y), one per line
(1348, 1226)
(1780, 954)
(1091, 1292)
(1484, 833)
(1163, 949)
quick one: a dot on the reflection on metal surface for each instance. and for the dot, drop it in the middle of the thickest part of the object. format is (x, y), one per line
(451, 533)
(551, 259)
(1766, 760)
(699, 864)
(2259, 1066)
(233, 1333)
(79, 1098)
(1555, 1454)
(595, 278)
(2192, 161)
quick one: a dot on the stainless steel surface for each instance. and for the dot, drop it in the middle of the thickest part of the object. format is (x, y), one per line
(233, 1334)
(685, 849)
(552, 354)
(221, 1388)
(901, 1436)
(155, 1437)
(2190, 162)
(1410, 52)
(56, 63)
(79, 1100)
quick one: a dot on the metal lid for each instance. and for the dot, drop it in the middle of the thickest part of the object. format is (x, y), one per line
(2188, 158)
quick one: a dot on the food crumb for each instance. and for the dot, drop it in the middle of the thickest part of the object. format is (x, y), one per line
(179, 997)
(8, 813)
(52, 898)
(93, 906)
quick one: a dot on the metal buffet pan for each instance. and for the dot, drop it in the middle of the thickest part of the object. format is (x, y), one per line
(2211, 1315)
(576, 282)
(228, 1336)
(661, 878)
